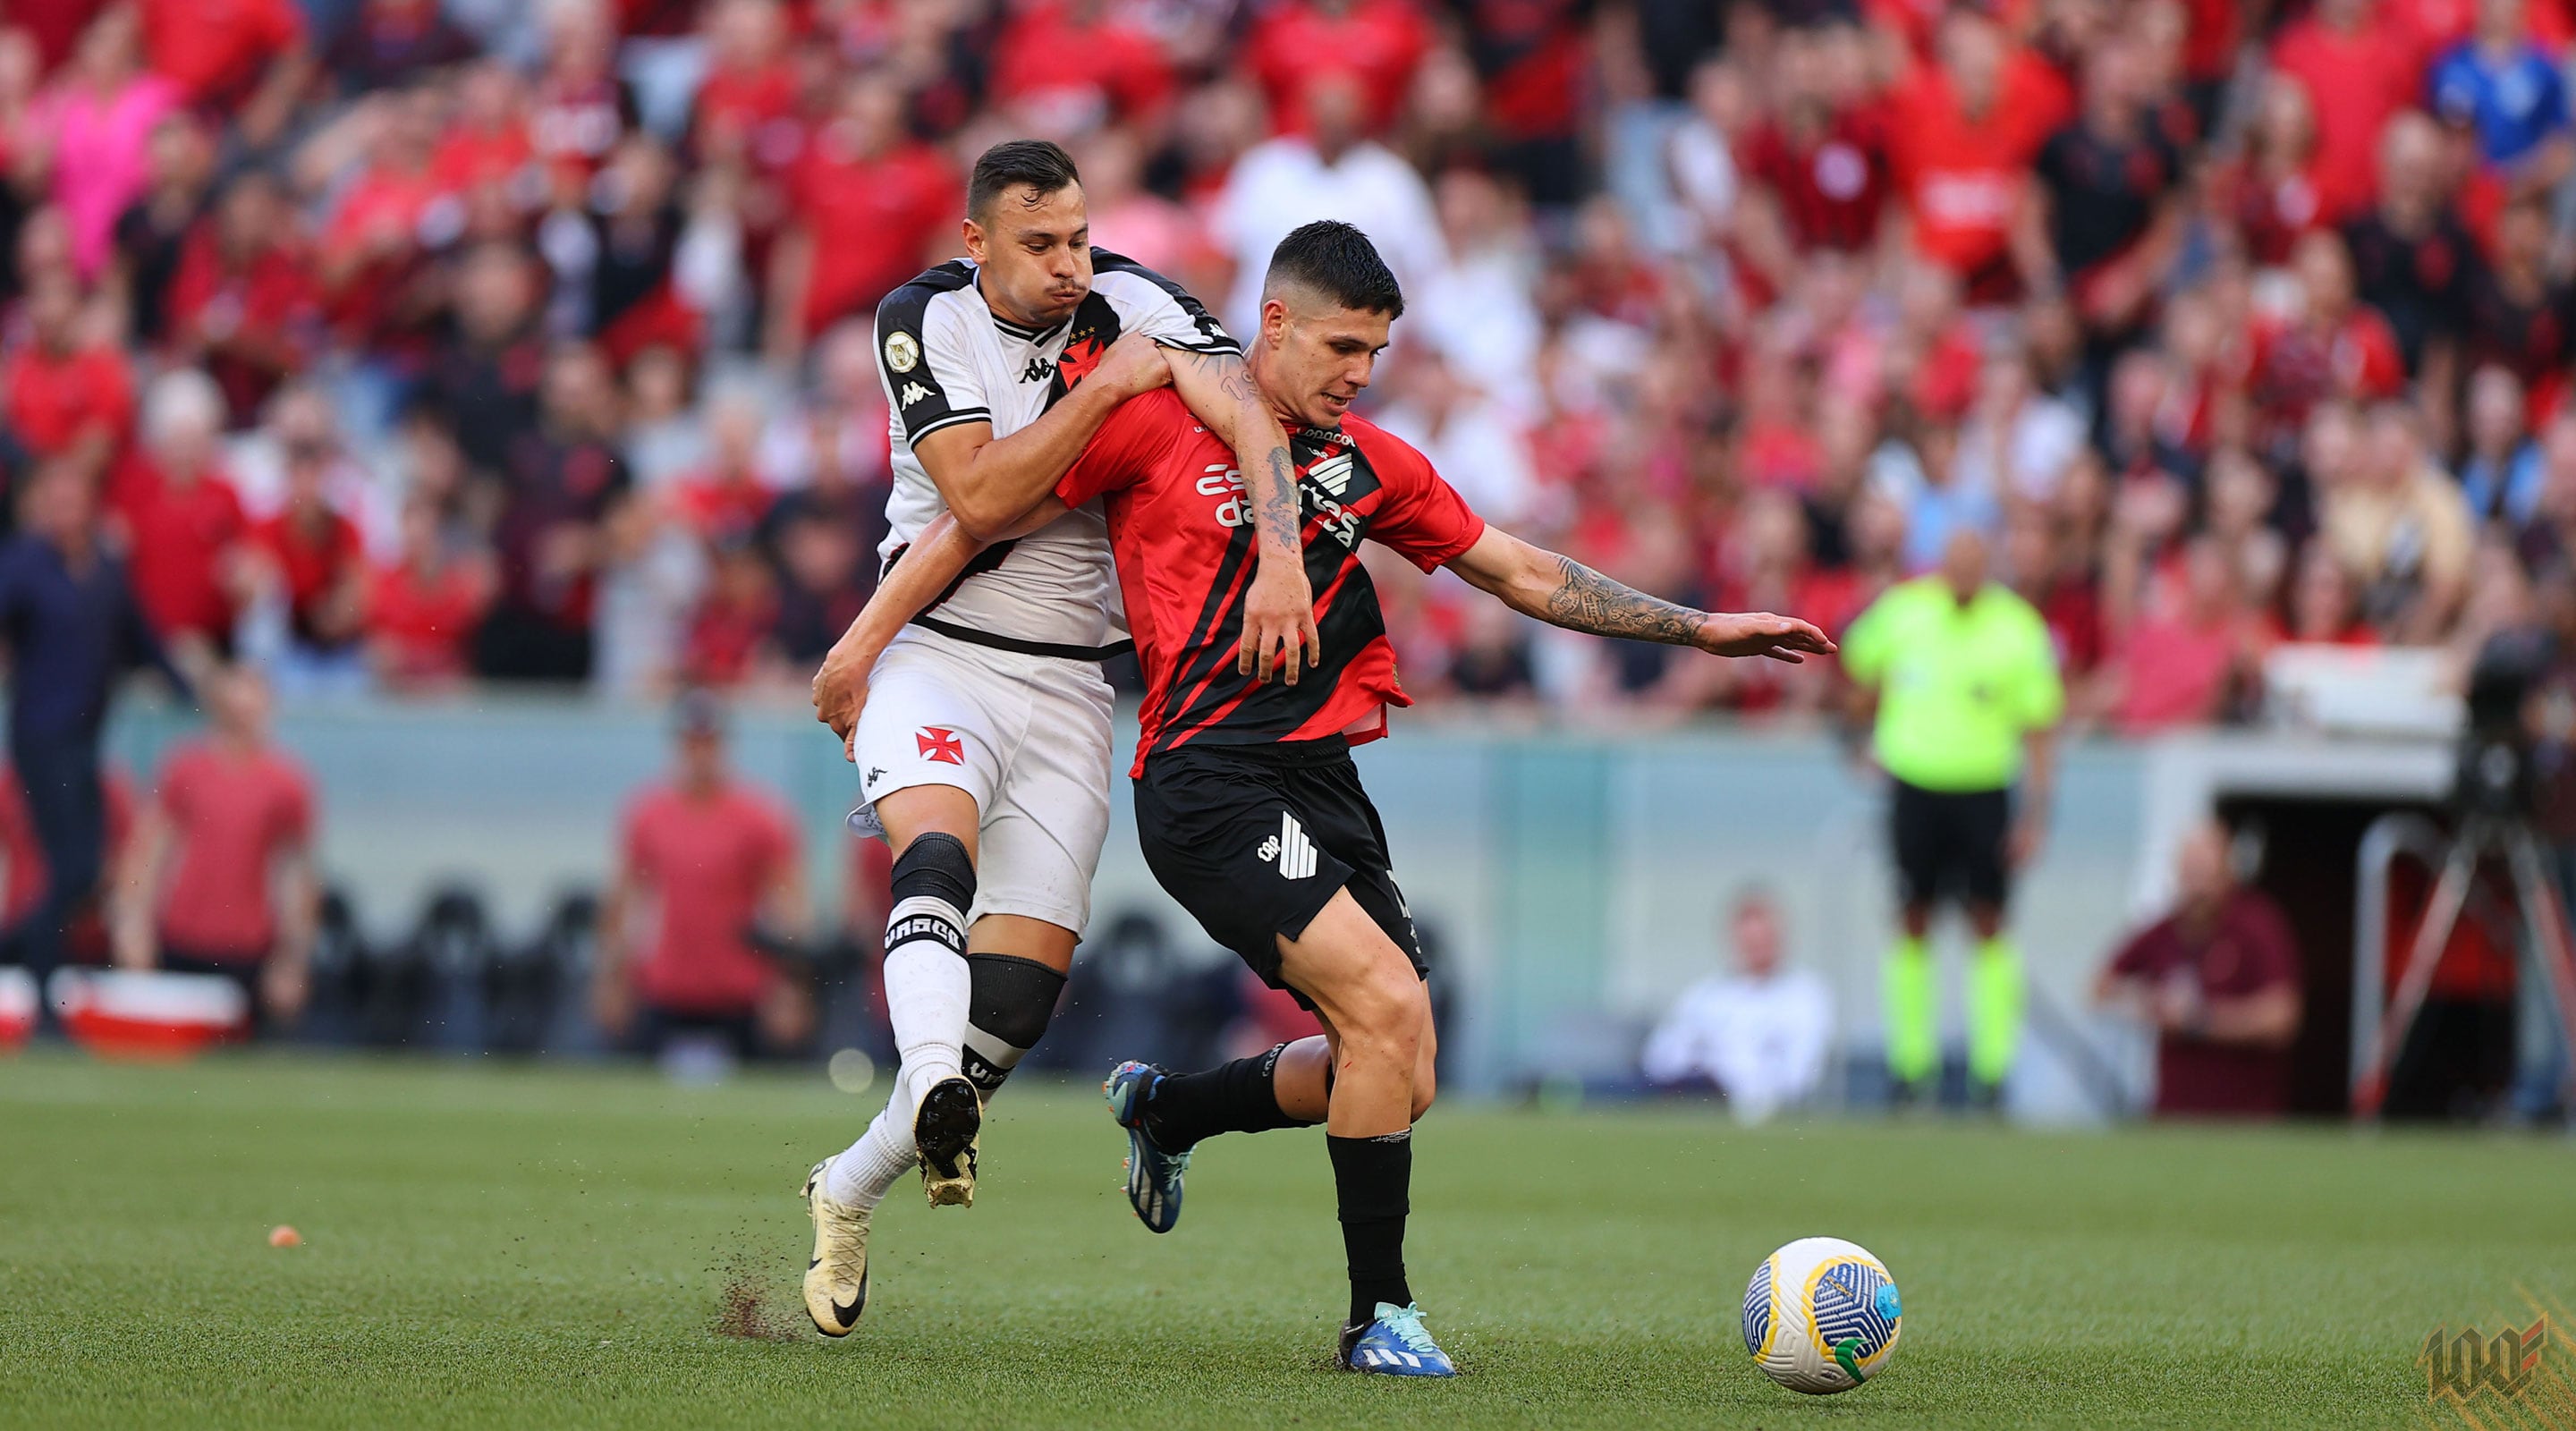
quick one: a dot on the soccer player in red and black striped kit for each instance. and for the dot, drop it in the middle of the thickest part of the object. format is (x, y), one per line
(1247, 804)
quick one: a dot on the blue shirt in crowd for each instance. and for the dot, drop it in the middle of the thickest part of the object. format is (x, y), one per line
(2517, 102)
(69, 636)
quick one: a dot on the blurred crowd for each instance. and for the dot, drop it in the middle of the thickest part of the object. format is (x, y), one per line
(404, 343)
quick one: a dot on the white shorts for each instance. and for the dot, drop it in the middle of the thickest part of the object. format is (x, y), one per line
(1026, 736)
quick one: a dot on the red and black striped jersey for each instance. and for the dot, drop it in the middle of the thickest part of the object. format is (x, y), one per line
(1180, 523)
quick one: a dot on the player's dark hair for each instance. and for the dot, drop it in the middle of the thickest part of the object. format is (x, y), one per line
(1336, 260)
(1038, 163)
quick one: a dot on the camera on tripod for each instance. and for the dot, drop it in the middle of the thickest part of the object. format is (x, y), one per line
(2494, 773)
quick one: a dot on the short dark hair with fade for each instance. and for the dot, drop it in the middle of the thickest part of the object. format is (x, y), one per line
(1336, 260)
(1038, 163)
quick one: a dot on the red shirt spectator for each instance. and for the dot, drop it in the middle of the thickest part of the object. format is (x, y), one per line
(1962, 167)
(870, 203)
(1067, 64)
(2216, 953)
(709, 859)
(186, 529)
(64, 397)
(217, 50)
(245, 297)
(1378, 43)
(234, 810)
(1830, 182)
(2358, 71)
(321, 562)
(422, 608)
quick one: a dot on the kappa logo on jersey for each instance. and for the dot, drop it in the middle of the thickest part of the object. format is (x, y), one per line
(902, 352)
(939, 743)
(913, 393)
(1289, 849)
(1038, 371)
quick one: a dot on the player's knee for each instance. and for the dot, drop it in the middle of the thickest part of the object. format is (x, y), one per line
(1386, 1016)
(1425, 1088)
(935, 866)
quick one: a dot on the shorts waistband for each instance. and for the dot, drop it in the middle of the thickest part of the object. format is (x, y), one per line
(1277, 754)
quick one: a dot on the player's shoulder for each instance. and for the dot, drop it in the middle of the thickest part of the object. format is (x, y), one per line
(1133, 288)
(908, 307)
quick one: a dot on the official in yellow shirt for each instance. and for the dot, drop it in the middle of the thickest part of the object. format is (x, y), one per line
(1964, 681)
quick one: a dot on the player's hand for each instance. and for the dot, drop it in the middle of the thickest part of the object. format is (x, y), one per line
(1133, 366)
(841, 691)
(1279, 623)
(1759, 633)
(2022, 846)
(284, 984)
(613, 1005)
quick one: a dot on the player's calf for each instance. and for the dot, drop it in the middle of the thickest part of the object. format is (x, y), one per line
(929, 988)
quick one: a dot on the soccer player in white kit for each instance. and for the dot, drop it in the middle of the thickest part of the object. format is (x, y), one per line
(981, 733)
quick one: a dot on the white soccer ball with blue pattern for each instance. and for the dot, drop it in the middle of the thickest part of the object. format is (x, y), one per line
(1822, 1315)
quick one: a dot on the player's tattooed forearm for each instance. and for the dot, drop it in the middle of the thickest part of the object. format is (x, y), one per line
(1585, 600)
(1278, 508)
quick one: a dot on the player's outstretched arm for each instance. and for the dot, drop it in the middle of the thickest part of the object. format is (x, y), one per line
(989, 483)
(1564, 592)
(1279, 613)
(929, 565)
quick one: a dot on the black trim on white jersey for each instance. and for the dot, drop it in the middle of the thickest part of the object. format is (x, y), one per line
(1020, 331)
(1214, 337)
(903, 358)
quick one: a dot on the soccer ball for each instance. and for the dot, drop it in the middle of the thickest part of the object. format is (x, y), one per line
(1821, 1316)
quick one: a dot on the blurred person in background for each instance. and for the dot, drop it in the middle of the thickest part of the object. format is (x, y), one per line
(97, 121)
(708, 878)
(187, 540)
(311, 570)
(24, 876)
(243, 301)
(870, 207)
(423, 606)
(2501, 471)
(221, 879)
(1331, 169)
(2358, 68)
(1760, 1033)
(563, 486)
(73, 625)
(2412, 257)
(154, 230)
(1967, 697)
(2509, 89)
(66, 396)
(2401, 527)
(2218, 980)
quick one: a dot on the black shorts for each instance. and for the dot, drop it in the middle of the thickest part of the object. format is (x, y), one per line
(1254, 840)
(1950, 845)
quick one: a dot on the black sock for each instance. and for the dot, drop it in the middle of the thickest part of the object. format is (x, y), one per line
(1237, 1097)
(1374, 1177)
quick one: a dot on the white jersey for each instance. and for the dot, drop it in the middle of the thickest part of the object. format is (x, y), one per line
(946, 358)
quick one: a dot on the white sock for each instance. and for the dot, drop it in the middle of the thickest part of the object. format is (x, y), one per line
(927, 988)
(862, 1176)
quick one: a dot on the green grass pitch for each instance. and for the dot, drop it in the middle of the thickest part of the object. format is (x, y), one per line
(567, 1247)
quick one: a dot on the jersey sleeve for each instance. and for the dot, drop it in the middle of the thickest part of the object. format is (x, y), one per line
(1128, 447)
(921, 359)
(2042, 693)
(1865, 645)
(1149, 303)
(1422, 518)
(295, 808)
